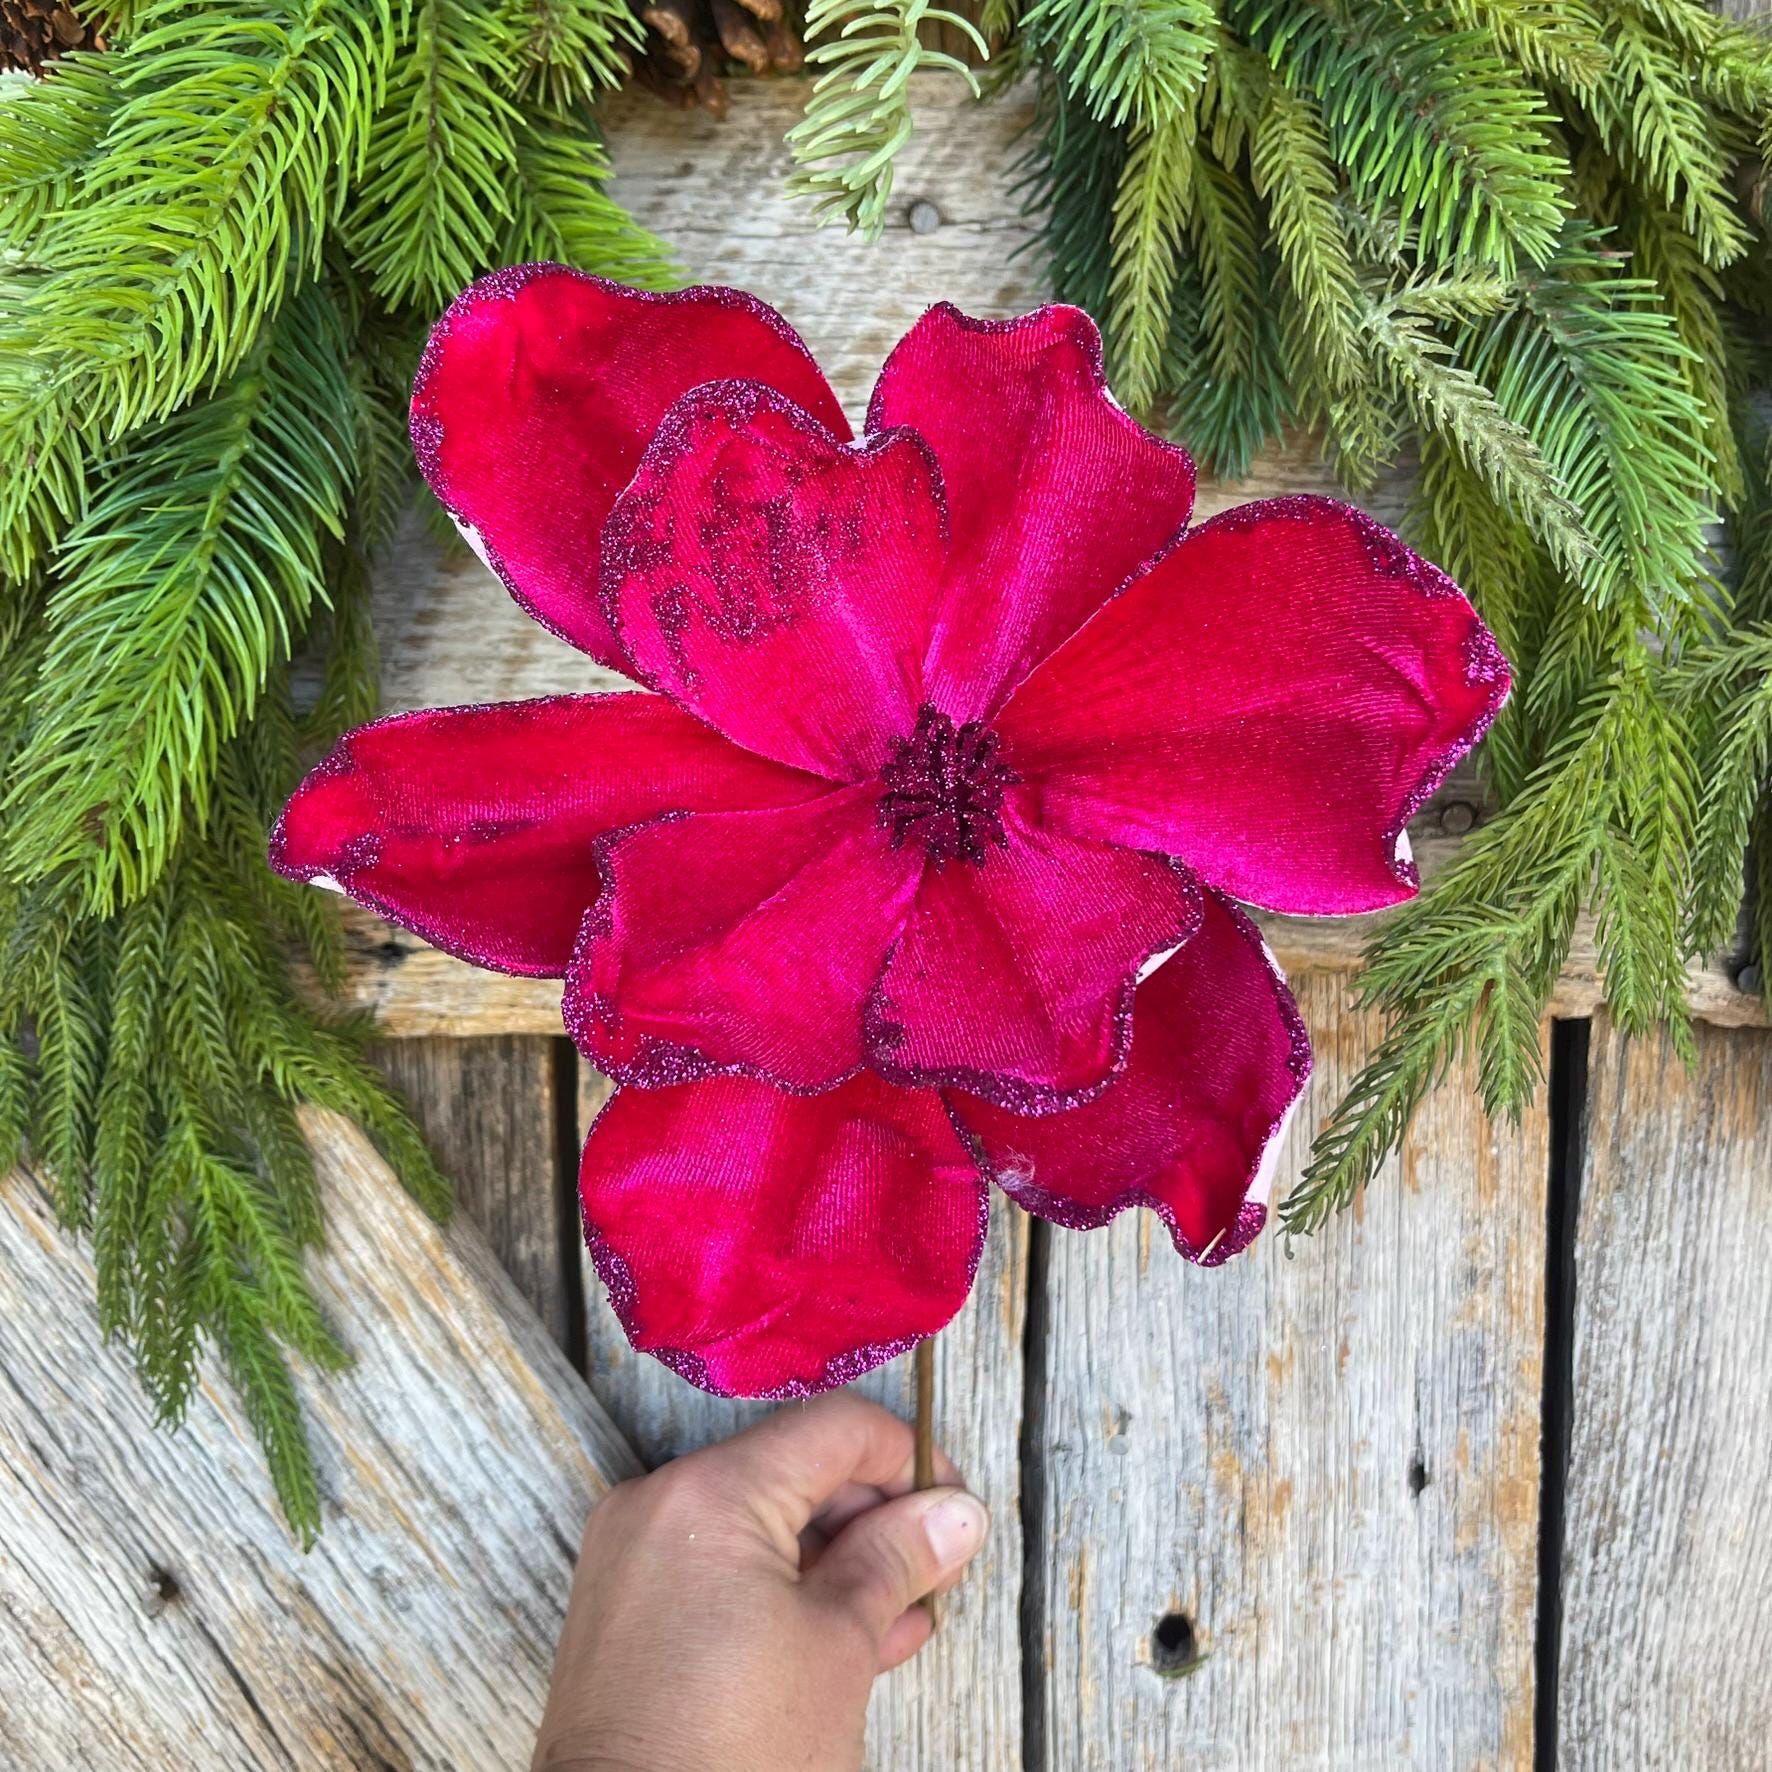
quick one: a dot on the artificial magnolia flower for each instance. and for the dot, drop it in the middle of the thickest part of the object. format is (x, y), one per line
(960, 727)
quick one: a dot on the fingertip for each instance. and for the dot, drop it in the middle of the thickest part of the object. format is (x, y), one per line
(956, 1526)
(898, 1552)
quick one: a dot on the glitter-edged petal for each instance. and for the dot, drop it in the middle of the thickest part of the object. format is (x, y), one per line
(1014, 977)
(763, 1244)
(777, 581)
(473, 827)
(1271, 702)
(539, 391)
(742, 944)
(1055, 494)
(1191, 1127)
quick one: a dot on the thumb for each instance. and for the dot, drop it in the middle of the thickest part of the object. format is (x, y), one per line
(887, 1559)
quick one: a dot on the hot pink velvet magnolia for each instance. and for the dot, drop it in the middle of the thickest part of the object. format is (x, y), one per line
(960, 727)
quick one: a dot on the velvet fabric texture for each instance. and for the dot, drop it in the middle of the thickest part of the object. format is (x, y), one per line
(919, 867)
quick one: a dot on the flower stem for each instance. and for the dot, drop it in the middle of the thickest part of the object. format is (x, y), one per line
(923, 1476)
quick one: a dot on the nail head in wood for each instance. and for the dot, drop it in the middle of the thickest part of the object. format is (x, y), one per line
(925, 218)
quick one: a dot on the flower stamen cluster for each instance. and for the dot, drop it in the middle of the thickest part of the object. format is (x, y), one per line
(944, 787)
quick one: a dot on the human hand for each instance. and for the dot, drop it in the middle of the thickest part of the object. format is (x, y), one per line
(731, 1609)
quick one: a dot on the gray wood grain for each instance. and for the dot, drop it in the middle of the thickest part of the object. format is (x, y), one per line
(154, 1612)
(1327, 1464)
(488, 1110)
(957, 1707)
(1667, 1551)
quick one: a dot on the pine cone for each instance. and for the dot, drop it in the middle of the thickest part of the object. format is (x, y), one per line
(692, 44)
(33, 32)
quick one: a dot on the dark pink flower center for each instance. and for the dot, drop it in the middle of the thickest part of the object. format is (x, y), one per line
(944, 786)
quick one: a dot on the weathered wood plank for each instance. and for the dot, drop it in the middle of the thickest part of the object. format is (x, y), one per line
(1666, 1654)
(488, 1111)
(153, 1611)
(414, 990)
(715, 188)
(1328, 1466)
(958, 1707)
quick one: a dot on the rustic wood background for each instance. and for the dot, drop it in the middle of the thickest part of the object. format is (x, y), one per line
(1479, 1477)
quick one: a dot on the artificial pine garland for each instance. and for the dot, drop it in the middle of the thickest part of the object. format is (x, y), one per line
(1522, 241)
(224, 241)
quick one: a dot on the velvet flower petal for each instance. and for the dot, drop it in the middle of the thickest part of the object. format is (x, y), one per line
(776, 581)
(474, 826)
(740, 942)
(1055, 495)
(1192, 1126)
(1015, 978)
(1271, 702)
(771, 1245)
(539, 391)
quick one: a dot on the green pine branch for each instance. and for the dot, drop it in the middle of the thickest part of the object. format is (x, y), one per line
(50, 132)
(1592, 367)
(227, 155)
(566, 51)
(562, 212)
(1132, 63)
(1291, 171)
(1479, 950)
(1691, 293)
(169, 1054)
(1429, 121)
(441, 158)
(204, 367)
(858, 113)
(1649, 116)
(1559, 42)
(1730, 689)
(1151, 211)
(1224, 357)
(1068, 180)
(184, 585)
(1448, 401)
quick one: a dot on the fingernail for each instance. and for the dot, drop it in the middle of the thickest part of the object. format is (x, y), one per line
(956, 1527)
